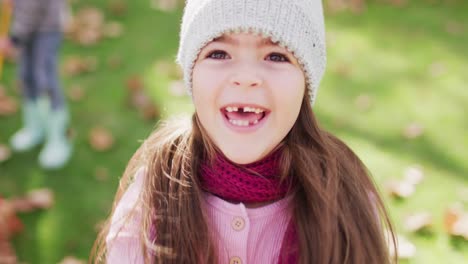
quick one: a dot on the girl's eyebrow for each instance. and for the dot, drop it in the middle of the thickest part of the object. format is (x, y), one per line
(233, 41)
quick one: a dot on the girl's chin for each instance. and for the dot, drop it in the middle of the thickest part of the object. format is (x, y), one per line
(243, 157)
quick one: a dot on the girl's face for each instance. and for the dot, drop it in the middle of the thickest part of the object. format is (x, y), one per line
(247, 93)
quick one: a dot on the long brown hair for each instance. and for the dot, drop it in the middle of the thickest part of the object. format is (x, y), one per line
(339, 215)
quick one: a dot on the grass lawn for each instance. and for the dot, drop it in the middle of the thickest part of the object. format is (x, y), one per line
(387, 68)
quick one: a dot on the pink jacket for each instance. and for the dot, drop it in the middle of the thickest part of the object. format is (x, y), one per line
(245, 235)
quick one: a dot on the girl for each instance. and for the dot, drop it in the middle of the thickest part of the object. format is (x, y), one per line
(252, 179)
(37, 32)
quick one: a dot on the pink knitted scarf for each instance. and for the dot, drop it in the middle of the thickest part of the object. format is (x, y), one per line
(235, 183)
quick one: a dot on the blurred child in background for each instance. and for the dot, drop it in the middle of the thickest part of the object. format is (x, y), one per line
(36, 30)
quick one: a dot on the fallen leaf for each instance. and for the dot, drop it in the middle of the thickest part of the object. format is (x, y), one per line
(2, 91)
(72, 260)
(413, 131)
(150, 112)
(437, 69)
(8, 106)
(343, 70)
(90, 63)
(41, 198)
(101, 139)
(414, 175)
(88, 37)
(400, 189)
(406, 249)
(451, 216)
(456, 221)
(363, 102)
(101, 174)
(7, 253)
(76, 93)
(177, 88)
(460, 227)
(165, 5)
(5, 153)
(117, 7)
(113, 30)
(134, 83)
(399, 3)
(454, 28)
(114, 61)
(73, 66)
(418, 222)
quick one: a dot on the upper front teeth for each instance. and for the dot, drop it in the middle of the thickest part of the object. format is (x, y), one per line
(245, 109)
(232, 109)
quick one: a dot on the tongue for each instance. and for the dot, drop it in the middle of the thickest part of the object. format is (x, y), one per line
(249, 116)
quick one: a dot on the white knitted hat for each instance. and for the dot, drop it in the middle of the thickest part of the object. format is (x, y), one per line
(297, 25)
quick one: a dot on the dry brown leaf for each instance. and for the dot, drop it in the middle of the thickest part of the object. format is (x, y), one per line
(41, 198)
(343, 70)
(456, 221)
(454, 28)
(413, 131)
(88, 37)
(5, 153)
(165, 5)
(2, 91)
(8, 106)
(406, 249)
(451, 216)
(73, 66)
(114, 61)
(150, 112)
(101, 174)
(139, 99)
(72, 260)
(400, 189)
(10, 224)
(364, 102)
(113, 30)
(460, 227)
(414, 175)
(418, 222)
(177, 88)
(100, 139)
(35, 199)
(7, 253)
(76, 93)
(117, 8)
(437, 69)
(90, 17)
(85, 28)
(169, 69)
(90, 63)
(134, 83)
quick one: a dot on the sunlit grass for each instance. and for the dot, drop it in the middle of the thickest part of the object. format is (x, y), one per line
(403, 59)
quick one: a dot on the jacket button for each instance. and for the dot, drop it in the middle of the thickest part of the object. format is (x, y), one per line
(238, 223)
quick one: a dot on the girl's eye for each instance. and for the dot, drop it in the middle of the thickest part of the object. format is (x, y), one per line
(217, 55)
(277, 57)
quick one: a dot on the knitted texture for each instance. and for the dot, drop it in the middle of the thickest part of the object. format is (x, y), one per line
(296, 25)
(252, 183)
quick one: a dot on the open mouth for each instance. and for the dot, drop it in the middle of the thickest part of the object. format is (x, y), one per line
(243, 115)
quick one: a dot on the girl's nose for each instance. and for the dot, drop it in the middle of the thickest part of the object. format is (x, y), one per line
(246, 78)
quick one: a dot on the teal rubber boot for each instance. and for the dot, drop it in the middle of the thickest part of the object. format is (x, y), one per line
(33, 130)
(57, 149)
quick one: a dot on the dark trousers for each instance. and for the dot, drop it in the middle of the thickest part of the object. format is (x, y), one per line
(38, 68)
